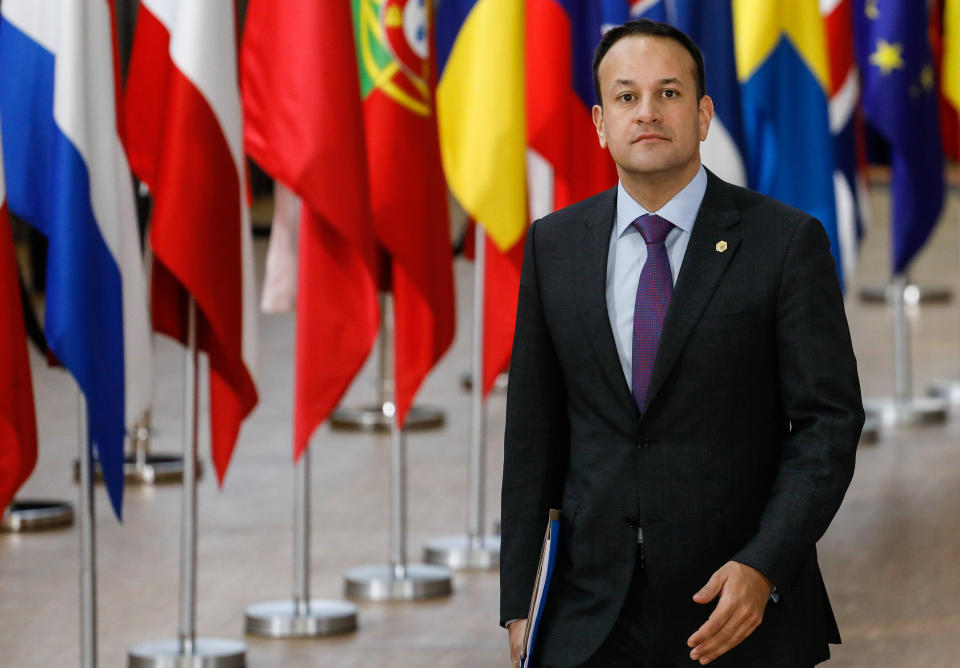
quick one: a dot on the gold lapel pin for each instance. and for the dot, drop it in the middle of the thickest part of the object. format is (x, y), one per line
(721, 246)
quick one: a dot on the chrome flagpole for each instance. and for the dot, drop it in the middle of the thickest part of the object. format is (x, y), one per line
(301, 616)
(88, 546)
(379, 417)
(903, 408)
(947, 389)
(397, 580)
(186, 650)
(473, 550)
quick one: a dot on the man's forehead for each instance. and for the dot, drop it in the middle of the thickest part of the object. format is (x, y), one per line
(631, 54)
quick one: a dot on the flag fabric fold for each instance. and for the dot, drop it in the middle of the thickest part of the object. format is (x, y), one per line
(185, 138)
(18, 422)
(396, 54)
(900, 103)
(67, 175)
(304, 126)
(846, 126)
(783, 68)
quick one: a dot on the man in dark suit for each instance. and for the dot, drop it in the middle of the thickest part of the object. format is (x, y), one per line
(683, 388)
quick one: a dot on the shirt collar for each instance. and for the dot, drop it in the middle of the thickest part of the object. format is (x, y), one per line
(681, 210)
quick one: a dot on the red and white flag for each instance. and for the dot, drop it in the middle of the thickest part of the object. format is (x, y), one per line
(304, 126)
(185, 139)
(18, 423)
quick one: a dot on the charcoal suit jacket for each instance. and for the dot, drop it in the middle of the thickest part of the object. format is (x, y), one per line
(744, 452)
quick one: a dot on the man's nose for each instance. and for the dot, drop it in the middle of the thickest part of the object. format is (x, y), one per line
(647, 110)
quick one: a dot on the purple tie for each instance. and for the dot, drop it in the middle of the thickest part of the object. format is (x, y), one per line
(654, 290)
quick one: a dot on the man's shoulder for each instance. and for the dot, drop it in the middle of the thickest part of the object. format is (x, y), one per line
(597, 207)
(755, 206)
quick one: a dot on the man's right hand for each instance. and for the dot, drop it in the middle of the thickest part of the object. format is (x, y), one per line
(516, 629)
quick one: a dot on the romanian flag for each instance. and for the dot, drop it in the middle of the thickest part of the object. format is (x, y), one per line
(304, 125)
(480, 107)
(784, 71)
(18, 422)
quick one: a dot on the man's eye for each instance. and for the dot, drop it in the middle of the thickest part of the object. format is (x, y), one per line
(669, 92)
(627, 97)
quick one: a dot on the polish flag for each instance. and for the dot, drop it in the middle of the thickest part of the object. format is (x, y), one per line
(18, 423)
(185, 140)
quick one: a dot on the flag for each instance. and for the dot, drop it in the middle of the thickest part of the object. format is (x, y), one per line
(68, 176)
(280, 274)
(945, 40)
(846, 126)
(655, 10)
(397, 67)
(784, 72)
(481, 112)
(185, 138)
(711, 27)
(18, 422)
(304, 126)
(900, 103)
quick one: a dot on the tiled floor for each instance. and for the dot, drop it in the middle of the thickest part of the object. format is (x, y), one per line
(891, 558)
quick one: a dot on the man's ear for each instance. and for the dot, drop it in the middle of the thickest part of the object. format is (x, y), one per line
(598, 124)
(706, 115)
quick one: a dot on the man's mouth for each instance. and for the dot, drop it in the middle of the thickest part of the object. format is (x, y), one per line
(648, 136)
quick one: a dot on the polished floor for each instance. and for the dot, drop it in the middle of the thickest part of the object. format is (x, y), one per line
(891, 557)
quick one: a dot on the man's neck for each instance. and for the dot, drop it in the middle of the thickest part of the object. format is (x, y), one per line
(653, 190)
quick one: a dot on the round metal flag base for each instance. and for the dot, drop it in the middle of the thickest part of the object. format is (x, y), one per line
(499, 385)
(282, 619)
(912, 294)
(36, 515)
(383, 583)
(207, 653)
(917, 411)
(871, 430)
(375, 418)
(149, 470)
(464, 553)
(946, 389)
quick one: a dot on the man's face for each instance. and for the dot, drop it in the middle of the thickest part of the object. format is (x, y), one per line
(651, 119)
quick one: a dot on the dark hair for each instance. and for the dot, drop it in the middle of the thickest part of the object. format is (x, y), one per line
(654, 29)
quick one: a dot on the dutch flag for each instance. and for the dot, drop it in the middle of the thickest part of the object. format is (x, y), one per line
(67, 175)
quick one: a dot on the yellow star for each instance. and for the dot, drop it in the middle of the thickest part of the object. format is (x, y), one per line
(887, 56)
(927, 79)
(870, 9)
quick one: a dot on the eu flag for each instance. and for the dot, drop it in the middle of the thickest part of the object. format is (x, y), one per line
(900, 103)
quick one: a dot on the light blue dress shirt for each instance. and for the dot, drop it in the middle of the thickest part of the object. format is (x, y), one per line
(628, 253)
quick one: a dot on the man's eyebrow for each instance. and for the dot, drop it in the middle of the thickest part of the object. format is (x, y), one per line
(663, 82)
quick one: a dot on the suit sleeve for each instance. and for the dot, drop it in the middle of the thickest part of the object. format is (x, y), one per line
(820, 391)
(535, 443)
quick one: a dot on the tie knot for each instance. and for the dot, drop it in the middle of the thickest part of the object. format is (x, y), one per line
(653, 228)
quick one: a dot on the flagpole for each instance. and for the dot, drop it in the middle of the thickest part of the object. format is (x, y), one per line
(397, 580)
(301, 616)
(947, 389)
(186, 650)
(88, 554)
(379, 417)
(474, 550)
(903, 408)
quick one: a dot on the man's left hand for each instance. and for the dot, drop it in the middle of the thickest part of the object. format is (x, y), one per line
(744, 592)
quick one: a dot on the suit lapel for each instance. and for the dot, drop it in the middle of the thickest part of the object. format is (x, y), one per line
(703, 265)
(590, 267)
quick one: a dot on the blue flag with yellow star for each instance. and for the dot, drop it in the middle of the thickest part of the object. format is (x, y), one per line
(900, 104)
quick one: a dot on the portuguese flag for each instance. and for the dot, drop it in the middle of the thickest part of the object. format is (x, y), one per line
(395, 53)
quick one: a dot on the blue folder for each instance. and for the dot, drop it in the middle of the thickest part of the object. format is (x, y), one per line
(548, 559)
